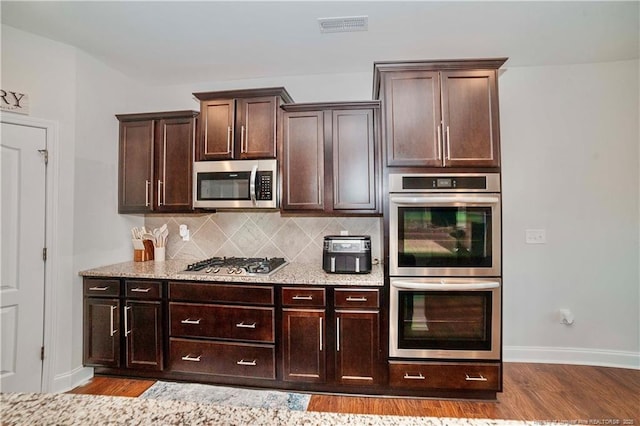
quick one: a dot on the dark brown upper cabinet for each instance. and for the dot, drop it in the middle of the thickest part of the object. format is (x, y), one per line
(331, 158)
(239, 124)
(156, 162)
(440, 113)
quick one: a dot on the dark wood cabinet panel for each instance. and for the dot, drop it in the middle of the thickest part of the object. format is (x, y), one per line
(136, 166)
(156, 162)
(217, 129)
(331, 158)
(354, 152)
(143, 334)
(101, 332)
(357, 347)
(303, 345)
(221, 293)
(303, 161)
(257, 121)
(440, 113)
(470, 113)
(303, 296)
(458, 376)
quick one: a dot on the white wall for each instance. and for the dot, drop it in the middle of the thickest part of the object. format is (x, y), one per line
(570, 160)
(570, 151)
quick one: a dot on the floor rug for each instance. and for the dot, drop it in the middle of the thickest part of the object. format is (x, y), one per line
(236, 397)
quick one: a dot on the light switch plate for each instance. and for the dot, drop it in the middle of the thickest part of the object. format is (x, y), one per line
(535, 236)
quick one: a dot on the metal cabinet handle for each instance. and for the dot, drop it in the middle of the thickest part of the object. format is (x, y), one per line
(448, 152)
(98, 288)
(147, 184)
(190, 321)
(228, 139)
(356, 299)
(127, 331)
(338, 334)
(475, 379)
(321, 334)
(413, 377)
(250, 363)
(111, 320)
(243, 325)
(140, 290)
(242, 141)
(190, 358)
(297, 297)
(159, 197)
(439, 145)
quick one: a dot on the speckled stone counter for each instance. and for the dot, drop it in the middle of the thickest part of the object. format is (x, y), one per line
(292, 273)
(67, 409)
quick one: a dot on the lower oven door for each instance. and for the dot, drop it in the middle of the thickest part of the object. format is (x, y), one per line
(452, 318)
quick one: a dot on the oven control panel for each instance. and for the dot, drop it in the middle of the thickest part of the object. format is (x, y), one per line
(423, 182)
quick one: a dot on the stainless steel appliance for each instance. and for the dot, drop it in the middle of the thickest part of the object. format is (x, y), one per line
(235, 184)
(454, 318)
(347, 254)
(444, 225)
(240, 266)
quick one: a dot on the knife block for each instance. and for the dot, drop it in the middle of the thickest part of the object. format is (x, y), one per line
(144, 255)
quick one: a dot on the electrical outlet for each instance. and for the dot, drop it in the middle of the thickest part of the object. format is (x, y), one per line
(535, 236)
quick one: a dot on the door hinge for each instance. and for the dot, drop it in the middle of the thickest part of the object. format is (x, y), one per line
(44, 253)
(45, 155)
(42, 353)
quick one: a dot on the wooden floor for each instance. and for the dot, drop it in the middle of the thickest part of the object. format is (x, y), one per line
(552, 392)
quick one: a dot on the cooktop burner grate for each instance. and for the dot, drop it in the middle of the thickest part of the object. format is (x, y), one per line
(237, 266)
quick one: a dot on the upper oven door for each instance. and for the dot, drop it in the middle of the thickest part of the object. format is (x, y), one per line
(444, 234)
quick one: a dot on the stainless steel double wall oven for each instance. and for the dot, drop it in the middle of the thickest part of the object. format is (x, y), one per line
(445, 266)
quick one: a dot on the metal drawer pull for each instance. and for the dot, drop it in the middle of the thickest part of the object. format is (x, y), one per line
(98, 288)
(111, 320)
(140, 290)
(250, 363)
(191, 358)
(356, 299)
(475, 379)
(127, 331)
(411, 377)
(190, 321)
(243, 325)
(302, 297)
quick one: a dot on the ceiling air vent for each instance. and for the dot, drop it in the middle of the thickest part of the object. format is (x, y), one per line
(344, 24)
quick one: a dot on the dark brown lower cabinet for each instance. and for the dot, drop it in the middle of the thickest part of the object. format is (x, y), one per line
(101, 332)
(143, 334)
(357, 347)
(303, 345)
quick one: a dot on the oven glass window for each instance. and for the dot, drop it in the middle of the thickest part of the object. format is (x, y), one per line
(223, 186)
(455, 237)
(444, 320)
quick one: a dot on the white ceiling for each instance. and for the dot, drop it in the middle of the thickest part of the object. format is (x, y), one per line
(179, 42)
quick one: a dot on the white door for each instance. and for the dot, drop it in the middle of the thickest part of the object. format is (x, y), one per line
(22, 271)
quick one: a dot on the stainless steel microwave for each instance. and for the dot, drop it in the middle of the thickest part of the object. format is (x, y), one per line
(235, 184)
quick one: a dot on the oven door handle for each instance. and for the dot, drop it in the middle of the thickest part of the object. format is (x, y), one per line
(440, 199)
(443, 286)
(252, 183)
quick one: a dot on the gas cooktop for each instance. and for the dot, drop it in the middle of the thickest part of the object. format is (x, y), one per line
(243, 266)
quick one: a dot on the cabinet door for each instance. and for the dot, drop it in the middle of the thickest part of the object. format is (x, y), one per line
(470, 118)
(354, 170)
(256, 125)
(101, 332)
(216, 130)
(174, 163)
(143, 334)
(135, 193)
(303, 345)
(412, 114)
(357, 347)
(303, 169)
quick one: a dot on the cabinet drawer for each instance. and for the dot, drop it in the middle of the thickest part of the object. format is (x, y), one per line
(221, 293)
(461, 376)
(101, 288)
(303, 296)
(222, 358)
(222, 322)
(356, 298)
(140, 289)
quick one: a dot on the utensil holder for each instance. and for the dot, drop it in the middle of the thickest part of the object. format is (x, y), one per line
(159, 254)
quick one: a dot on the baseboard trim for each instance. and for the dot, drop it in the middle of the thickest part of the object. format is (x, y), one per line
(66, 382)
(578, 356)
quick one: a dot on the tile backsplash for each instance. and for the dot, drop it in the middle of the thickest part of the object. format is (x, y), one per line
(259, 234)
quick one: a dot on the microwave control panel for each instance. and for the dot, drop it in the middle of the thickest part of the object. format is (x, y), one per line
(265, 186)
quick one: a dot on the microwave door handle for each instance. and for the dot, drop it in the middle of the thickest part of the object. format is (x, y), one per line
(252, 183)
(423, 200)
(444, 286)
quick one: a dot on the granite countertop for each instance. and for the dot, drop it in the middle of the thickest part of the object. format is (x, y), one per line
(68, 409)
(292, 273)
